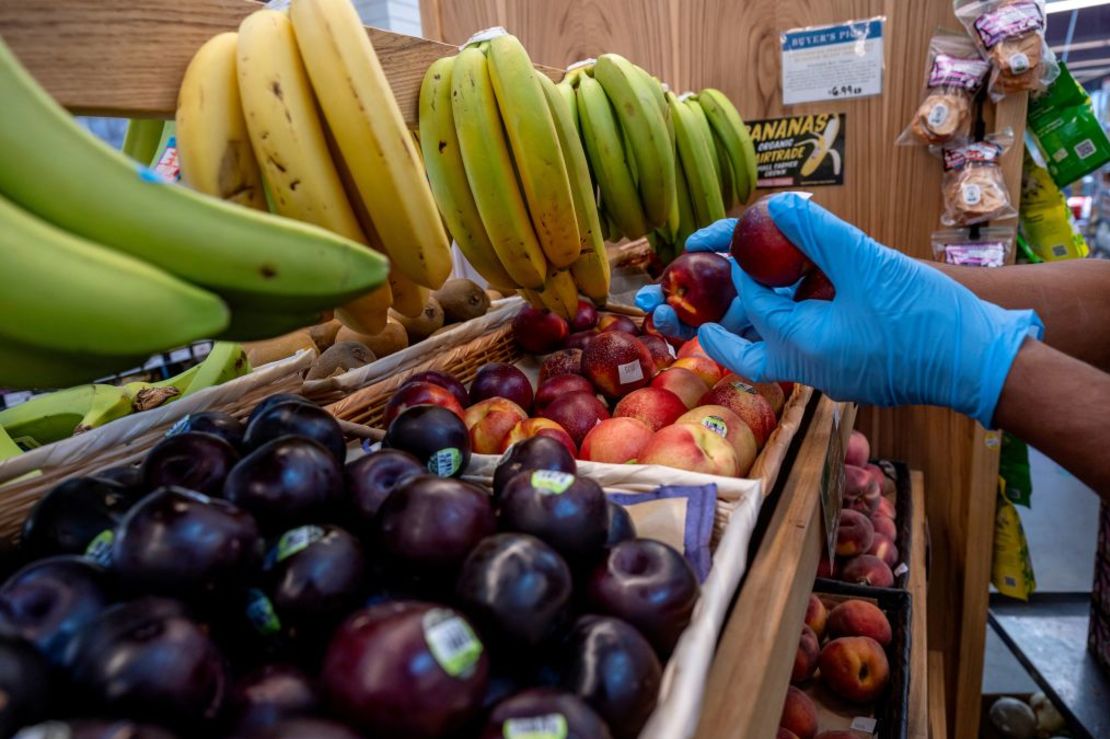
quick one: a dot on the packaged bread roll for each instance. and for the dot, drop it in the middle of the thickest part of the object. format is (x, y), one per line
(1010, 33)
(954, 74)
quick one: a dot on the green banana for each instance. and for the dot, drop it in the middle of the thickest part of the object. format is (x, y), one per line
(147, 395)
(697, 159)
(250, 325)
(225, 362)
(248, 257)
(605, 149)
(641, 118)
(687, 221)
(727, 176)
(143, 136)
(701, 123)
(10, 450)
(734, 135)
(45, 419)
(671, 228)
(566, 91)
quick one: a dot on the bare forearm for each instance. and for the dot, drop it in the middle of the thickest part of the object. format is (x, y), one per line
(1072, 298)
(1060, 405)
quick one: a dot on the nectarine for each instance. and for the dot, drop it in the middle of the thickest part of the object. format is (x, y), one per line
(559, 386)
(763, 251)
(730, 427)
(530, 427)
(614, 322)
(693, 448)
(562, 362)
(419, 393)
(769, 390)
(698, 286)
(704, 367)
(490, 421)
(661, 352)
(616, 363)
(683, 383)
(616, 441)
(577, 413)
(655, 407)
(743, 400)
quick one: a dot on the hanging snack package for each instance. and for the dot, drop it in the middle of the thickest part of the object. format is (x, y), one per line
(955, 73)
(991, 247)
(1011, 35)
(1046, 220)
(974, 189)
(1067, 130)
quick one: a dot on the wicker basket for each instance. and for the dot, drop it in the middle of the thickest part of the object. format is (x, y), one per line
(128, 439)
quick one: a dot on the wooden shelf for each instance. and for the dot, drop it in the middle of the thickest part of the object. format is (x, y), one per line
(918, 711)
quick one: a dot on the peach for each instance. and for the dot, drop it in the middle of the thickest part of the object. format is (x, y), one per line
(743, 400)
(693, 448)
(883, 548)
(559, 386)
(657, 408)
(855, 668)
(860, 491)
(660, 351)
(769, 390)
(613, 322)
(726, 424)
(854, 534)
(616, 441)
(490, 421)
(805, 659)
(692, 348)
(704, 367)
(858, 451)
(886, 508)
(859, 618)
(577, 413)
(885, 483)
(683, 383)
(562, 362)
(785, 734)
(616, 363)
(828, 569)
(884, 525)
(763, 251)
(867, 569)
(530, 427)
(419, 393)
(838, 733)
(799, 714)
(816, 615)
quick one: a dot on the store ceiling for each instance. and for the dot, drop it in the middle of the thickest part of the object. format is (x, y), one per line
(1088, 31)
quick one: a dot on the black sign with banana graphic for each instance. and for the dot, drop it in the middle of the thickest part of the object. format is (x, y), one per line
(799, 150)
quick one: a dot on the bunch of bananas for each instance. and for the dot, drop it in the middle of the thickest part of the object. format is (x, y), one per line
(510, 176)
(102, 263)
(45, 419)
(293, 112)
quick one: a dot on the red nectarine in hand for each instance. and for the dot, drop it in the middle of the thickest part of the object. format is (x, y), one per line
(698, 286)
(763, 251)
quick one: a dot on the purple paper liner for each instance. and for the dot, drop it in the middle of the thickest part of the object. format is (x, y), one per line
(701, 505)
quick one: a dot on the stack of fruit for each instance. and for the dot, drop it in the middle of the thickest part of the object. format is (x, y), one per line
(852, 664)
(390, 601)
(103, 263)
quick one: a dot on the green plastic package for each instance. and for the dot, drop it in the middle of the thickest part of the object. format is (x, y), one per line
(1067, 130)
(1011, 566)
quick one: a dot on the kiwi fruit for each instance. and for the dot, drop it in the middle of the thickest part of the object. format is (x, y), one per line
(462, 300)
(340, 357)
(272, 350)
(392, 338)
(424, 325)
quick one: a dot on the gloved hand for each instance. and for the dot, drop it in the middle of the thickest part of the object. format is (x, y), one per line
(715, 237)
(897, 332)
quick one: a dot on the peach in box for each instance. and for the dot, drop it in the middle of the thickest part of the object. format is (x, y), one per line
(727, 425)
(883, 548)
(859, 618)
(805, 659)
(657, 408)
(884, 525)
(772, 391)
(854, 534)
(763, 251)
(559, 386)
(530, 427)
(683, 383)
(799, 714)
(419, 393)
(693, 448)
(490, 421)
(743, 400)
(705, 368)
(577, 413)
(616, 363)
(616, 441)
(867, 569)
(855, 668)
(698, 286)
(858, 451)
(817, 616)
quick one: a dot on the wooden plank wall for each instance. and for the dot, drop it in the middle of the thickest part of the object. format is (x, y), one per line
(891, 192)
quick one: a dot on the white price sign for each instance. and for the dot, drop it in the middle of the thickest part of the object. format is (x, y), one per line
(834, 62)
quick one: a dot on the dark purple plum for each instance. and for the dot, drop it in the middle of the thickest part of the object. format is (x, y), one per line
(648, 584)
(370, 480)
(96, 728)
(147, 660)
(305, 728)
(192, 460)
(180, 543)
(621, 527)
(608, 664)
(435, 436)
(287, 481)
(445, 381)
(296, 419)
(272, 400)
(564, 510)
(536, 453)
(272, 693)
(72, 514)
(51, 600)
(224, 425)
(543, 708)
(24, 685)
(500, 380)
(517, 590)
(127, 476)
(406, 669)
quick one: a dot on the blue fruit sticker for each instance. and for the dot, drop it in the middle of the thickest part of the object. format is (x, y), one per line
(261, 614)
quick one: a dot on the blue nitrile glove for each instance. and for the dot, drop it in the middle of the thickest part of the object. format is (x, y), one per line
(716, 238)
(897, 332)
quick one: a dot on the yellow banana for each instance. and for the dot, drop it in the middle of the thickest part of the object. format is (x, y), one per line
(559, 294)
(532, 297)
(409, 298)
(371, 134)
(490, 172)
(734, 135)
(447, 175)
(697, 159)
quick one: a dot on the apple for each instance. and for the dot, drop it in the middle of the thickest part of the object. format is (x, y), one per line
(648, 328)
(769, 390)
(817, 615)
(616, 363)
(490, 421)
(858, 451)
(614, 322)
(526, 713)
(799, 714)
(655, 407)
(728, 426)
(608, 664)
(705, 368)
(805, 659)
(857, 617)
(498, 379)
(539, 331)
(406, 669)
(530, 427)
(556, 387)
(517, 590)
(536, 453)
(854, 534)
(270, 694)
(24, 683)
(883, 548)
(867, 569)
(761, 249)
(580, 339)
(621, 527)
(616, 441)
(855, 668)
(304, 418)
(815, 286)
(691, 447)
(371, 478)
(648, 584)
(746, 402)
(562, 362)
(577, 413)
(435, 436)
(688, 386)
(661, 352)
(444, 380)
(412, 394)
(193, 460)
(585, 317)
(564, 510)
(698, 286)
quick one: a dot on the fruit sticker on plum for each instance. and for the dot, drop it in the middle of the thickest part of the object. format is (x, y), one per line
(99, 549)
(552, 482)
(799, 150)
(261, 614)
(291, 542)
(551, 726)
(445, 462)
(630, 372)
(451, 641)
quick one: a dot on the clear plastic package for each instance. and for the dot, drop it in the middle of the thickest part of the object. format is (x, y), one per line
(954, 74)
(991, 247)
(1010, 34)
(974, 189)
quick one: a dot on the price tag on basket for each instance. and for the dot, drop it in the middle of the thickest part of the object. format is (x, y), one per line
(832, 484)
